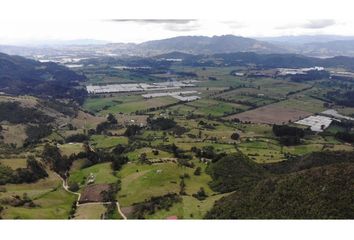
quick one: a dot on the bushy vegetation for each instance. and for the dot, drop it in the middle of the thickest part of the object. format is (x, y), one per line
(161, 123)
(318, 185)
(111, 122)
(80, 137)
(234, 172)
(200, 195)
(310, 75)
(132, 130)
(58, 163)
(317, 193)
(33, 172)
(341, 98)
(35, 133)
(21, 114)
(285, 130)
(155, 203)
(315, 159)
(345, 136)
(288, 135)
(118, 161)
(207, 152)
(66, 108)
(235, 136)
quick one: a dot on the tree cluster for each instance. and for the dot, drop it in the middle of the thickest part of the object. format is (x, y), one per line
(153, 204)
(288, 135)
(161, 123)
(21, 114)
(33, 172)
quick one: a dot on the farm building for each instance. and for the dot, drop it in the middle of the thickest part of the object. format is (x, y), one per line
(178, 95)
(138, 87)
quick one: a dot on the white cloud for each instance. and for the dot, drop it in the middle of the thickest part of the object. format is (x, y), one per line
(136, 21)
(319, 23)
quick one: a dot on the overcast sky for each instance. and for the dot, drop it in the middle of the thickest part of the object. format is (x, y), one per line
(138, 21)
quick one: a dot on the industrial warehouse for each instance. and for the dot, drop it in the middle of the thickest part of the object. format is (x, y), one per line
(139, 87)
(182, 96)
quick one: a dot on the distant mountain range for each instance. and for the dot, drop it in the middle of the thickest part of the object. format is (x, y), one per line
(210, 45)
(316, 46)
(304, 39)
(274, 60)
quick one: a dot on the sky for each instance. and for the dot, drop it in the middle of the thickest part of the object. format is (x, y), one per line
(38, 21)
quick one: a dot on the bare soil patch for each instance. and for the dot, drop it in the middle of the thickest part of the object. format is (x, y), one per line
(92, 193)
(271, 114)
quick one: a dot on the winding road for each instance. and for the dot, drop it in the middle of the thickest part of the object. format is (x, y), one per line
(66, 188)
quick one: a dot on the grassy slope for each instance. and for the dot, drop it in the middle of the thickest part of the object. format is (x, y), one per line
(103, 174)
(52, 200)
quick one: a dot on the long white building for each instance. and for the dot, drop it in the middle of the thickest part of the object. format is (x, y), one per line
(178, 95)
(138, 87)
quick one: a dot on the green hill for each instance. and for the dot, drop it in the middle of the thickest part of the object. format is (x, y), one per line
(21, 76)
(234, 172)
(317, 193)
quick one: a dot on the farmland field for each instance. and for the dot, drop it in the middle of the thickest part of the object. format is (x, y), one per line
(214, 108)
(102, 173)
(271, 114)
(100, 141)
(14, 163)
(90, 211)
(305, 103)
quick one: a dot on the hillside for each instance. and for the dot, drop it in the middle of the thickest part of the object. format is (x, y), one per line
(317, 193)
(32, 119)
(315, 159)
(284, 60)
(330, 48)
(210, 45)
(234, 172)
(20, 76)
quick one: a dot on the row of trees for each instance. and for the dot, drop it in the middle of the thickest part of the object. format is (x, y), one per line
(150, 206)
(35, 133)
(207, 152)
(341, 98)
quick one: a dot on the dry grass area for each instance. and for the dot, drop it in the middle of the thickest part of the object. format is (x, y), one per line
(86, 120)
(25, 101)
(270, 114)
(127, 119)
(14, 163)
(90, 211)
(14, 133)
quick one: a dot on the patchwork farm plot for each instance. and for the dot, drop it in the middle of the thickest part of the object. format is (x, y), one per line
(215, 108)
(271, 114)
